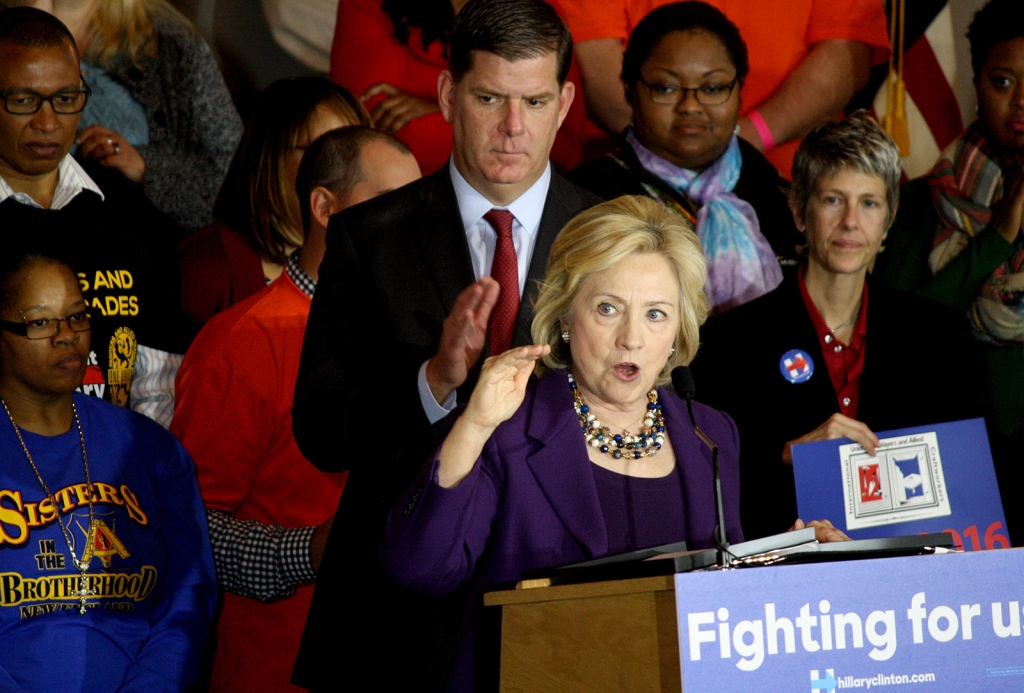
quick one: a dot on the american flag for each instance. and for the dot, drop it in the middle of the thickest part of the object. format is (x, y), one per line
(929, 65)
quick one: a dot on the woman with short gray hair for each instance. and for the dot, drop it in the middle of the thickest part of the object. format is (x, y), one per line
(810, 361)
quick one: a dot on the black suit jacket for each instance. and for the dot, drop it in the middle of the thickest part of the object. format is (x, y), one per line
(917, 371)
(392, 272)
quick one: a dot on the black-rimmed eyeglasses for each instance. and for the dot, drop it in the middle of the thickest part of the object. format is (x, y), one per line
(706, 94)
(28, 102)
(45, 328)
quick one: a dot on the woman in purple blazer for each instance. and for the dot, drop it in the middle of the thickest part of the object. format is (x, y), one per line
(592, 459)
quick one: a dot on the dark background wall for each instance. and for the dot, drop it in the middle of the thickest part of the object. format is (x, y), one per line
(249, 57)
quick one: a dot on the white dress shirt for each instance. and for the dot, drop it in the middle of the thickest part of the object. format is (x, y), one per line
(482, 239)
(71, 180)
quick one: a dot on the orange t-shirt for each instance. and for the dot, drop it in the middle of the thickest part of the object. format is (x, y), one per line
(233, 414)
(778, 35)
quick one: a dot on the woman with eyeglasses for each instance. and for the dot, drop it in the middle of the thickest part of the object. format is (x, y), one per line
(108, 578)
(683, 69)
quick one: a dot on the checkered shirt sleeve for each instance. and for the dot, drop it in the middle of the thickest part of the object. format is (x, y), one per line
(263, 562)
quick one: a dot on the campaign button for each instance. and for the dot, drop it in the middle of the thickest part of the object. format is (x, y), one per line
(796, 366)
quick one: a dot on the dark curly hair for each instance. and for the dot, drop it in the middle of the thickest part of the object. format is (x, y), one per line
(682, 16)
(998, 21)
(433, 17)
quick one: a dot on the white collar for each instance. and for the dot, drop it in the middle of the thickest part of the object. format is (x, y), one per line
(528, 208)
(71, 180)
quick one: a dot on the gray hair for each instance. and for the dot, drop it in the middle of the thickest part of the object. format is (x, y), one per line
(857, 143)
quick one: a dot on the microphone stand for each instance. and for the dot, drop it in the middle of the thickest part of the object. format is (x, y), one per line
(721, 541)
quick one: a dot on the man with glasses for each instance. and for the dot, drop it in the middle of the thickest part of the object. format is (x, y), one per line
(117, 238)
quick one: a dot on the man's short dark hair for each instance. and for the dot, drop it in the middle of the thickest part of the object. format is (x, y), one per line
(511, 29)
(32, 28)
(333, 162)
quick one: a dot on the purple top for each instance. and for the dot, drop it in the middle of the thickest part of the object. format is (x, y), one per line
(640, 512)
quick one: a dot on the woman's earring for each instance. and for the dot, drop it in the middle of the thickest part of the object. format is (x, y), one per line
(736, 130)
(565, 336)
(671, 351)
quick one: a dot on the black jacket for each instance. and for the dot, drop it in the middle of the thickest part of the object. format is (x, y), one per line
(759, 184)
(393, 269)
(917, 365)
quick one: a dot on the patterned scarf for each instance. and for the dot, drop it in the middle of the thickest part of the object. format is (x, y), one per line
(741, 263)
(965, 183)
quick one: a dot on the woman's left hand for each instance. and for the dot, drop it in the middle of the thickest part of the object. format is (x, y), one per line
(502, 385)
(498, 394)
(108, 148)
(824, 532)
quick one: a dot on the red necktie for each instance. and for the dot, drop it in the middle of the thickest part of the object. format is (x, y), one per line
(505, 271)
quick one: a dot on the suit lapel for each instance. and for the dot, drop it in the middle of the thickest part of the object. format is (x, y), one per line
(557, 213)
(561, 465)
(442, 238)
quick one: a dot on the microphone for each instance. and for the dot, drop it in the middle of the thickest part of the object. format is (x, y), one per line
(682, 381)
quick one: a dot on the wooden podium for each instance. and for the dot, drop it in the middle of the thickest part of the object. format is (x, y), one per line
(619, 635)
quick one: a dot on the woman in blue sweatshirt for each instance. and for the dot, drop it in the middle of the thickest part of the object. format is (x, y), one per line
(106, 575)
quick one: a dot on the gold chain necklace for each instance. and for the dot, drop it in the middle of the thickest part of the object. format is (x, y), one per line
(82, 565)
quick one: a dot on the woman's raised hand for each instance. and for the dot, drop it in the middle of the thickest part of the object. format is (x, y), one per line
(498, 394)
(502, 385)
(1008, 213)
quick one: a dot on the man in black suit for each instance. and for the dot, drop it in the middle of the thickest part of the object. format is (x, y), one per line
(415, 288)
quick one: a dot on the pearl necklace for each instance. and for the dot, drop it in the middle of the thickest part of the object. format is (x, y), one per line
(645, 444)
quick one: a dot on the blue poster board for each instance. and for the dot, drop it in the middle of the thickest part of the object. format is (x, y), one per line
(925, 479)
(935, 624)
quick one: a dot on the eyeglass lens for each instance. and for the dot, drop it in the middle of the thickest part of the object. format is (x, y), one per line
(44, 328)
(706, 94)
(28, 103)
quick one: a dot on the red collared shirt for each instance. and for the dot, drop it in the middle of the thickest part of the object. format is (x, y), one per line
(845, 362)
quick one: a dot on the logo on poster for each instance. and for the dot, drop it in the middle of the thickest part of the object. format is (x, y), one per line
(870, 483)
(823, 685)
(903, 481)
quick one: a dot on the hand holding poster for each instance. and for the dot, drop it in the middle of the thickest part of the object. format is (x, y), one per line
(925, 479)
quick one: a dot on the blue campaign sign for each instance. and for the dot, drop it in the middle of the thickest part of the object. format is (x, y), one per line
(926, 479)
(937, 624)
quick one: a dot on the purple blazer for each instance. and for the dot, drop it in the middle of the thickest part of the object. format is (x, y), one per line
(531, 500)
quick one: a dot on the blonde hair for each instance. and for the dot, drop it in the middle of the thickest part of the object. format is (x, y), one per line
(603, 236)
(126, 27)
